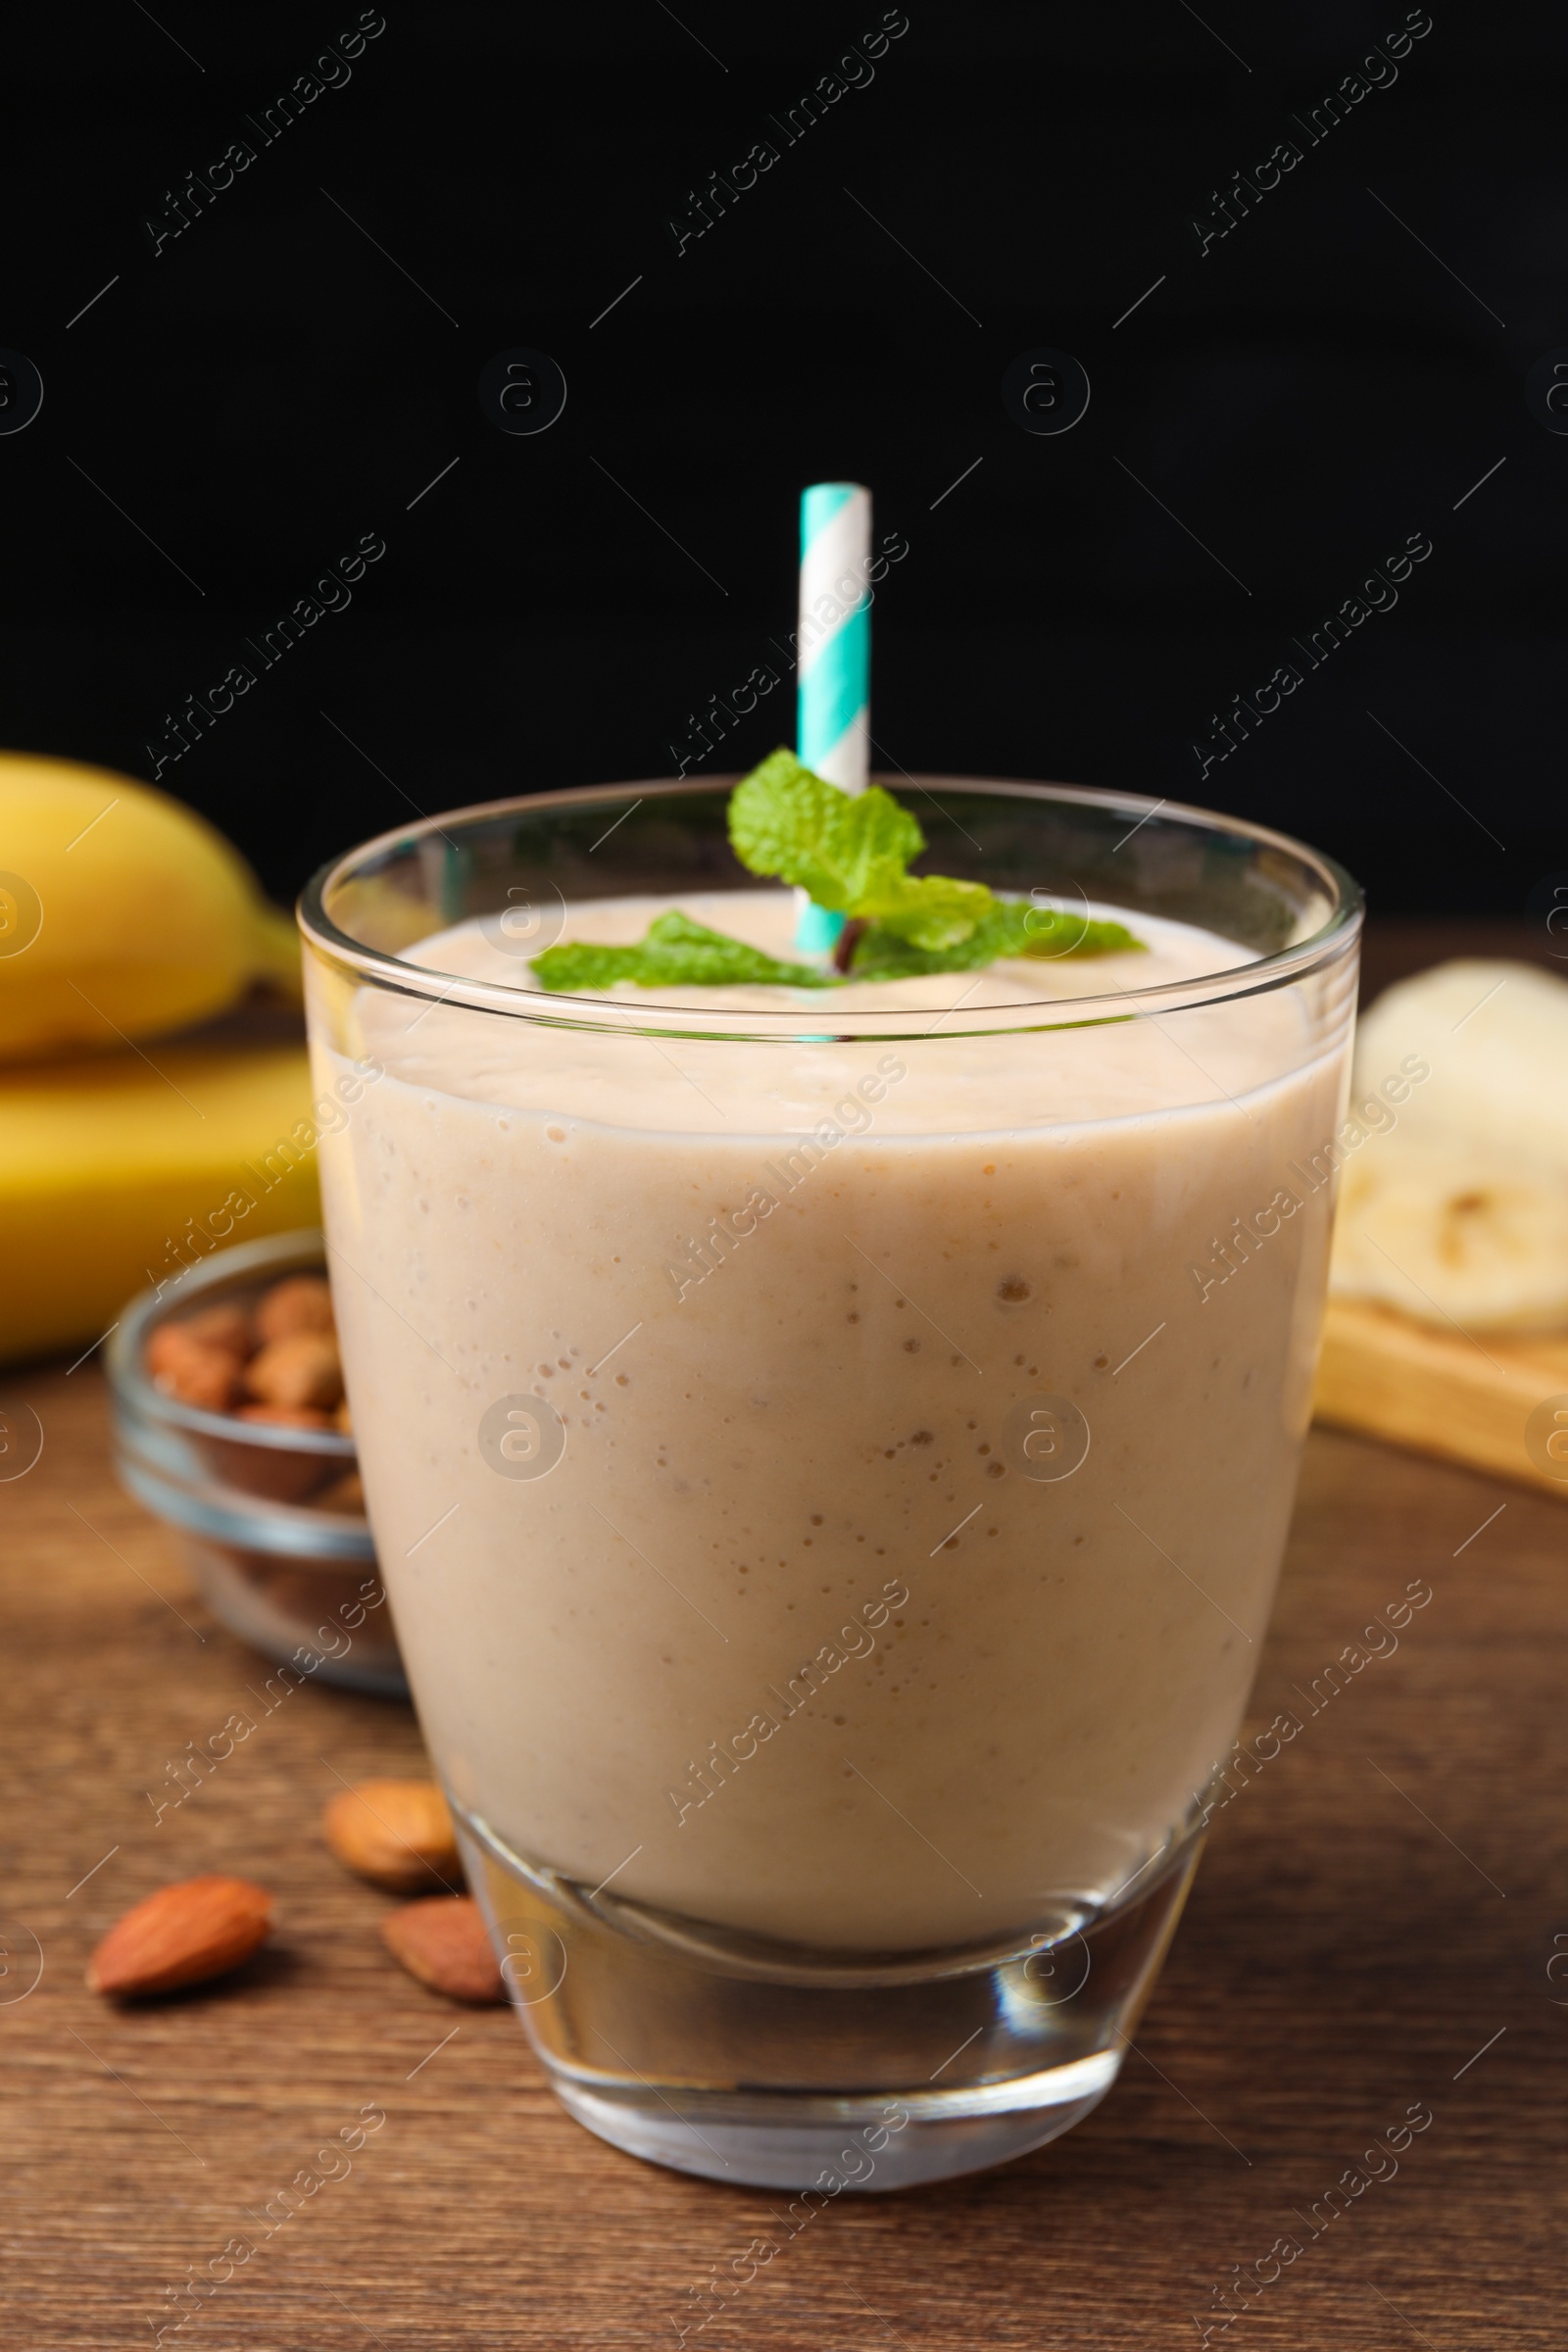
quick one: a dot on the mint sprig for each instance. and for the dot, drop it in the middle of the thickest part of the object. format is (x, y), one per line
(851, 856)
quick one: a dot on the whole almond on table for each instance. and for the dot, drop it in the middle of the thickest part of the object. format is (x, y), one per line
(398, 1833)
(443, 1942)
(300, 1302)
(183, 1935)
(301, 1370)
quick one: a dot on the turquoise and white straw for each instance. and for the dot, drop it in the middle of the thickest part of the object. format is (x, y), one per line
(835, 632)
(833, 658)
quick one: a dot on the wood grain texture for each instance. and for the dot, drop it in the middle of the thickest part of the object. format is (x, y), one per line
(1376, 1903)
(1439, 1391)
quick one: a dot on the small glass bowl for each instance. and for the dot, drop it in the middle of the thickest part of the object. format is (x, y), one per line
(298, 1583)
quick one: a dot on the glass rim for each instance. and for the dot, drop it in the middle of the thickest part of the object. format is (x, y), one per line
(560, 1010)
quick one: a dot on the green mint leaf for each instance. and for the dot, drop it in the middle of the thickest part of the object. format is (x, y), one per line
(1010, 927)
(676, 953)
(881, 955)
(847, 852)
(930, 911)
(1048, 932)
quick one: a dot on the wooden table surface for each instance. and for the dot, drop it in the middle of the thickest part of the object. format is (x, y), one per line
(1383, 1901)
(1373, 1929)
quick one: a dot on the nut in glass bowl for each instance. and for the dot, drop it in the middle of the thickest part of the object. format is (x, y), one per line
(230, 1424)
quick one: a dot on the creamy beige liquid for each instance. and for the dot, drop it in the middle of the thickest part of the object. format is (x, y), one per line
(799, 1454)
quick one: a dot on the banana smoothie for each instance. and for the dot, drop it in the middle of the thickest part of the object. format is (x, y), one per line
(813, 1489)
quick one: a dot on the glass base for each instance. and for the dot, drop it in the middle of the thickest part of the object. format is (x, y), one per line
(771, 2145)
(780, 2066)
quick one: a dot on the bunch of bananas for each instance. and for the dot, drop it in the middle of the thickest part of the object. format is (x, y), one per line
(124, 923)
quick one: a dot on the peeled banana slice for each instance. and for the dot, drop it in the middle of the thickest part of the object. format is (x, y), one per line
(1458, 1212)
(1457, 1235)
(1495, 1035)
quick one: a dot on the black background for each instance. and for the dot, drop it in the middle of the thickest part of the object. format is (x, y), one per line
(1305, 395)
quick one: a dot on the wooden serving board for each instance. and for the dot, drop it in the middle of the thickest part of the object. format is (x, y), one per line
(1438, 1392)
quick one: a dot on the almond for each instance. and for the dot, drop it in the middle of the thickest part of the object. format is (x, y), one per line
(443, 1942)
(300, 1370)
(181, 1934)
(192, 1369)
(225, 1325)
(302, 1303)
(397, 1832)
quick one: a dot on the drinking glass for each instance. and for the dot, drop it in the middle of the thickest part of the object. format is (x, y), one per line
(830, 1458)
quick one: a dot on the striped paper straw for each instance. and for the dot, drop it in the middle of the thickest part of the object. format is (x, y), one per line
(834, 657)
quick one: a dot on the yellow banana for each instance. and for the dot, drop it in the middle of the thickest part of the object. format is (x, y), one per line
(122, 915)
(115, 1173)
